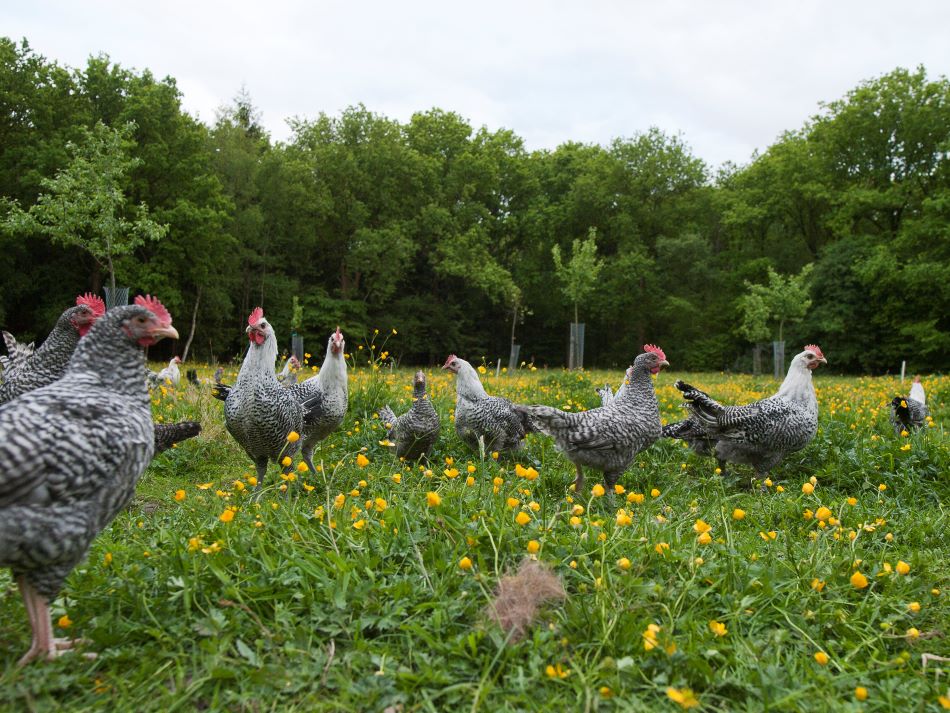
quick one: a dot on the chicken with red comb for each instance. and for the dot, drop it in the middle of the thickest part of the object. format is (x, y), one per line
(759, 434)
(607, 439)
(26, 370)
(71, 453)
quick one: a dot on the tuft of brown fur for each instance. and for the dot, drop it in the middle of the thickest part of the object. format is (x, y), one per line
(519, 596)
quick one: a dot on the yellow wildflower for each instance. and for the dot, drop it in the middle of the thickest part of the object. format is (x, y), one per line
(362, 461)
(433, 499)
(179, 495)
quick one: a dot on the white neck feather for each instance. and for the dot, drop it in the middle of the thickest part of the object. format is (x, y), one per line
(467, 383)
(798, 385)
(333, 371)
(259, 361)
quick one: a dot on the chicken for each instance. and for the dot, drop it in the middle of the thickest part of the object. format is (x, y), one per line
(168, 434)
(480, 418)
(258, 413)
(170, 373)
(608, 438)
(325, 396)
(760, 434)
(417, 430)
(16, 352)
(607, 395)
(288, 375)
(909, 413)
(71, 453)
(48, 363)
(692, 433)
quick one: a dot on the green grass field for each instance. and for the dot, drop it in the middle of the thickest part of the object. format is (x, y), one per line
(346, 593)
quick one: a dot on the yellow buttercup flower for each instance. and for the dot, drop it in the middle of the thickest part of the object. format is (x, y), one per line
(465, 563)
(821, 657)
(718, 628)
(362, 461)
(226, 516)
(179, 495)
(522, 518)
(598, 490)
(858, 580)
(808, 488)
(433, 499)
(738, 514)
(902, 567)
(683, 697)
(293, 437)
(861, 693)
(533, 547)
(64, 622)
(624, 563)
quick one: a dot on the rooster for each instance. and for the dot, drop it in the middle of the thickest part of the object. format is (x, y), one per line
(608, 438)
(417, 430)
(483, 421)
(29, 371)
(909, 413)
(760, 434)
(258, 413)
(71, 453)
(325, 397)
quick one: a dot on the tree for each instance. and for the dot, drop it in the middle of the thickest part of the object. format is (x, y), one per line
(578, 277)
(783, 299)
(84, 204)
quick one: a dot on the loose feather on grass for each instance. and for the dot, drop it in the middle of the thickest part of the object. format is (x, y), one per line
(519, 596)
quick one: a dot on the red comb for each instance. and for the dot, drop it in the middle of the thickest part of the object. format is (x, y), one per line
(155, 307)
(256, 316)
(93, 302)
(816, 349)
(448, 360)
(655, 349)
(338, 333)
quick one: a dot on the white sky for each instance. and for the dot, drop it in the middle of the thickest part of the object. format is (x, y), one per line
(730, 76)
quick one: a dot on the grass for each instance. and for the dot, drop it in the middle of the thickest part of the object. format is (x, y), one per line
(276, 610)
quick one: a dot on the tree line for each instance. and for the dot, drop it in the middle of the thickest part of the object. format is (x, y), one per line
(449, 233)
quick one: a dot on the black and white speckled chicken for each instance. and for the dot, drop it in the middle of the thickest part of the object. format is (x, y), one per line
(258, 412)
(760, 434)
(909, 413)
(71, 453)
(29, 371)
(416, 431)
(479, 417)
(325, 397)
(608, 438)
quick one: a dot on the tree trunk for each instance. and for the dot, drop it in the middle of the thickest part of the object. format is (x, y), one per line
(111, 273)
(194, 321)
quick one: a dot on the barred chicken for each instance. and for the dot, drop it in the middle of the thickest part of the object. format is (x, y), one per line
(325, 397)
(908, 413)
(258, 412)
(170, 373)
(482, 419)
(416, 431)
(608, 438)
(71, 453)
(28, 371)
(763, 433)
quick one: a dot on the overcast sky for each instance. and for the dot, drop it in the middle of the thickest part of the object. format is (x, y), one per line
(728, 76)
